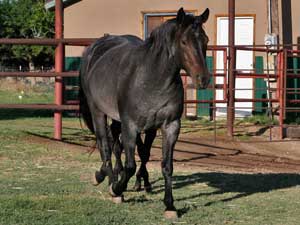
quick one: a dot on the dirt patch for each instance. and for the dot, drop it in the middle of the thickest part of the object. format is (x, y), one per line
(194, 152)
(235, 156)
(256, 155)
(87, 146)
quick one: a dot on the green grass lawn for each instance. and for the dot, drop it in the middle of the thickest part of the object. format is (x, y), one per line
(49, 183)
(23, 95)
(41, 95)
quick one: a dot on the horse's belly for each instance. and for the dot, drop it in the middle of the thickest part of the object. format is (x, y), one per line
(108, 106)
(103, 93)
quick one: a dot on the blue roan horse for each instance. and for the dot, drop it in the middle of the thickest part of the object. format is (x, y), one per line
(138, 85)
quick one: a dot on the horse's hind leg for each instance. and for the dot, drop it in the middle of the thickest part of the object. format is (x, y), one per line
(117, 148)
(129, 135)
(101, 132)
(144, 154)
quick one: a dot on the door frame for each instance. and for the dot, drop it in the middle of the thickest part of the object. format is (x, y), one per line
(147, 13)
(254, 41)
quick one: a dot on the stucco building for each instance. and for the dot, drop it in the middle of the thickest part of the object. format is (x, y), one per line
(254, 19)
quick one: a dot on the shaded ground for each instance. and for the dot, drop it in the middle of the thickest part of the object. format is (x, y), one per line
(197, 152)
(234, 156)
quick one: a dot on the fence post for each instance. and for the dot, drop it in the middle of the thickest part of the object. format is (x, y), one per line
(59, 65)
(281, 90)
(231, 72)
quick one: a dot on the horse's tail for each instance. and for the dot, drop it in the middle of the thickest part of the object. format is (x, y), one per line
(84, 109)
(85, 112)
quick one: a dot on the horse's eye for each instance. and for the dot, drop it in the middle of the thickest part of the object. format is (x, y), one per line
(183, 42)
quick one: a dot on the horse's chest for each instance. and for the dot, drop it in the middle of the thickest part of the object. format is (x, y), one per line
(156, 116)
(151, 105)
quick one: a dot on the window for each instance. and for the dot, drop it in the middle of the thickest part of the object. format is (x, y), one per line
(153, 20)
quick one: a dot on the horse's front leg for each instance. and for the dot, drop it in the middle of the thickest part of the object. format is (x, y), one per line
(129, 134)
(170, 132)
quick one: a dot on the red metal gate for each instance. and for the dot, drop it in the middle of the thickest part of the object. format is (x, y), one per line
(58, 106)
(230, 74)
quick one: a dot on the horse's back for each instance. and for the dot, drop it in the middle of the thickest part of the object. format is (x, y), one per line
(103, 65)
(106, 43)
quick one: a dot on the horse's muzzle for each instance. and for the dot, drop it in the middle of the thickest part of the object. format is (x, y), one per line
(203, 81)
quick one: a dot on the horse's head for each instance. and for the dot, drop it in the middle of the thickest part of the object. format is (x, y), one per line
(192, 44)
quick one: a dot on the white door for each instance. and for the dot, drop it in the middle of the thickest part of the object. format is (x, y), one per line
(244, 30)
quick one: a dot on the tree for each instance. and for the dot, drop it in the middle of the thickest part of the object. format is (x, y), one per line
(5, 50)
(26, 19)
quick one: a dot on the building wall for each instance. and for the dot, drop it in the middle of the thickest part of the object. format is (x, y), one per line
(93, 18)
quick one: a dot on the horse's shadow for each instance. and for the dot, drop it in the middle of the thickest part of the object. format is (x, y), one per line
(241, 185)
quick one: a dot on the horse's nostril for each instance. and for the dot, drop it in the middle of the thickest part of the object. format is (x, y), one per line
(204, 82)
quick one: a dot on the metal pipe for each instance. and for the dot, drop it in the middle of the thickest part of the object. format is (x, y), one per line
(256, 48)
(293, 101)
(225, 71)
(255, 75)
(285, 82)
(255, 100)
(204, 101)
(281, 93)
(28, 41)
(232, 64)
(59, 65)
(213, 104)
(40, 74)
(88, 41)
(40, 106)
(236, 100)
(48, 41)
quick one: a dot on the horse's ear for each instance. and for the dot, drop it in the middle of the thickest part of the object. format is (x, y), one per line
(180, 16)
(204, 16)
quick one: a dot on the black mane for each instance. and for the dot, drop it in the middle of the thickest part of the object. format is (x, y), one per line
(163, 36)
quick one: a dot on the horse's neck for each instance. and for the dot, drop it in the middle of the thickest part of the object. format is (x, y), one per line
(161, 54)
(164, 68)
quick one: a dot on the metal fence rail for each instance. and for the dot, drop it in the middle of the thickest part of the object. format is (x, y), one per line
(281, 74)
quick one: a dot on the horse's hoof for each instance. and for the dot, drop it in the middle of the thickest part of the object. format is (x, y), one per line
(148, 188)
(111, 191)
(170, 215)
(98, 178)
(94, 180)
(118, 199)
(114, 198)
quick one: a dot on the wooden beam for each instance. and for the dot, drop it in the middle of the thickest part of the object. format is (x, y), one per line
(275, 17)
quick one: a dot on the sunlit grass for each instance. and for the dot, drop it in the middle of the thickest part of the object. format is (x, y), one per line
(48, 182)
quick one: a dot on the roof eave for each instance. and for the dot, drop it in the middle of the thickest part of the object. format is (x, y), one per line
(50, 5)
